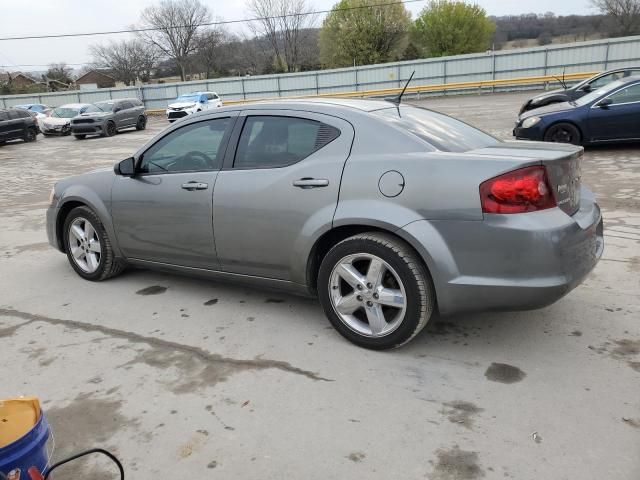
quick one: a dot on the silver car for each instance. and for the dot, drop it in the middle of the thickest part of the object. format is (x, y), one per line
(384, 212)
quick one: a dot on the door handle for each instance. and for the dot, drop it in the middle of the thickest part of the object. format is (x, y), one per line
(308, 182)
(195, 186)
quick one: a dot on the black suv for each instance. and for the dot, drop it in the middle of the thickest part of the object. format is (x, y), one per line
(17, 123)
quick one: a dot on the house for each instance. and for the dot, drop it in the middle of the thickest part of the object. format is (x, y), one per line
(16, 79)
(95, 79)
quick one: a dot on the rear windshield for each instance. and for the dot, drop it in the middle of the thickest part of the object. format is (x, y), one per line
(443, 132)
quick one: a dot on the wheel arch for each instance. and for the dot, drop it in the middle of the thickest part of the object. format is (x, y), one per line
(337, 234)
(68, 203)
(570, 122)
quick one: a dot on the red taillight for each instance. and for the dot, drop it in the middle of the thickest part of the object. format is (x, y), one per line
(523, 190)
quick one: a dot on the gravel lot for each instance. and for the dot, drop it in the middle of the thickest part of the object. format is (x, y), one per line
(199, 379)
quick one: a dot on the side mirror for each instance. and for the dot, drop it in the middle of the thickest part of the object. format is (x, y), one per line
(126, 168)
(604, 103)
(586, 88)
(116, 109)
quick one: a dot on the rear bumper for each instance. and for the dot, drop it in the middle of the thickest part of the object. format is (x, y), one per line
(510, 262)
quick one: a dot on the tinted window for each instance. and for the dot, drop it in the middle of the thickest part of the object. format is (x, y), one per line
(627, 95)
(268, 142)
(212, 96)
(195, 147)
(14, 114)
(441, 131)
(125, 104)
(3, 116)
(23, 114)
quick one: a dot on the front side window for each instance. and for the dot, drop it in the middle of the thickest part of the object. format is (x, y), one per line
(605, 79)
(194, 147)
(441, 131)
(271, 141)
(626, 95)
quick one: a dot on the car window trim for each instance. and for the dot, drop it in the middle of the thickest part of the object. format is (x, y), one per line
(224, 146)
(229, 163)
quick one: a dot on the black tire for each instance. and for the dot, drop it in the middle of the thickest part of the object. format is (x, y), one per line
(142, 123)
(31, 135)
(420, 294)
(108, 265)
(80, 136)
(109, 130)
(563, 133)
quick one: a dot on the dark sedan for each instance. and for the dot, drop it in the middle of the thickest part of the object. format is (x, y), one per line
(611, 113)
(580, 89)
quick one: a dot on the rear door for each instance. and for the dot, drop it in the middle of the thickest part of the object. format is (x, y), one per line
(279, 184)
(128, 113)
(164, 213)
(16, 125)
(618, 121)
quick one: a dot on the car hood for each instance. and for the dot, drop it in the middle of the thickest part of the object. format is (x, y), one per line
(548, 94)
(94, 114)
(56, 121)
(553, 108)
(182, 105)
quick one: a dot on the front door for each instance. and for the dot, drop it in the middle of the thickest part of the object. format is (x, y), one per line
(280, 184)
(620, 119)
(164, 213)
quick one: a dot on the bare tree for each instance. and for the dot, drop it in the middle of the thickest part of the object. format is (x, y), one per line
(175, 26)
(625, 13)
(127, 60)
(59, 72)
(208, 48)
(283, 23)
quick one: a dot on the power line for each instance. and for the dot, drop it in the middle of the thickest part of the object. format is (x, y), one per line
(209, 24)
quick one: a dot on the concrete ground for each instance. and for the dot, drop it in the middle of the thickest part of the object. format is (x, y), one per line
(189, 378)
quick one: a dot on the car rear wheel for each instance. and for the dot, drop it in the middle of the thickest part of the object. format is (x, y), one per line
(80, 136)
(110, 129)
(375, 290)
(31, 135)
(562, 133)
(88, 246)
(142, 123)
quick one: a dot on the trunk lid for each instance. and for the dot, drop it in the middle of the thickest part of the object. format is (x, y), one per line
(562, 162)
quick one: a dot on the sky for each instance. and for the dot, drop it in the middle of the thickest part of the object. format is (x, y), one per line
(23, 18)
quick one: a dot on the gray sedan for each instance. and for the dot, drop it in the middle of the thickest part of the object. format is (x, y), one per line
(109, 117)
(385, 212)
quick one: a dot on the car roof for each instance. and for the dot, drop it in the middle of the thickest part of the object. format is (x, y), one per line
(326, 103)
(74, 105)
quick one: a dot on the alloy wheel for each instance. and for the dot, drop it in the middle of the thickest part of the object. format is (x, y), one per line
(367, 295)
(84, 245)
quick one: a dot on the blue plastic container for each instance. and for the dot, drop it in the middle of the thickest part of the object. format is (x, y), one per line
(28, 451)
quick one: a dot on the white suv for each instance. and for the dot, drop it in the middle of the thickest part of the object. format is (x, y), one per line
(189, 103)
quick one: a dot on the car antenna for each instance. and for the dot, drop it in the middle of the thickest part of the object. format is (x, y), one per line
(561, 80)
(398, 99)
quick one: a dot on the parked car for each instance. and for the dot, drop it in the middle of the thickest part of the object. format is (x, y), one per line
(608, 114)
(16, 123)
(191, 103)
(59, 122)
(383, 211)
(109, 117)
(568, 94)
(38, 108)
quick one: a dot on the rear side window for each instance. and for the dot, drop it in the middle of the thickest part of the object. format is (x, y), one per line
(271, 141)
(126, 104)
(441, 131)
(3, 116)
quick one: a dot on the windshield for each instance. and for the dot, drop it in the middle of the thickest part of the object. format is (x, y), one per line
(188, 98)
(443, 132)
(590, 97)
(100, 107)
(65, 112)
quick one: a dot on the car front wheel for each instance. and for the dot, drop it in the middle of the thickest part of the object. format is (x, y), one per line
(375, 290)
(88, 246)
(562, 133)
(110, 129)
(31, 135)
